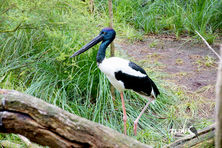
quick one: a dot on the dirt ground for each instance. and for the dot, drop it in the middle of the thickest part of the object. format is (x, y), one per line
(191, 66)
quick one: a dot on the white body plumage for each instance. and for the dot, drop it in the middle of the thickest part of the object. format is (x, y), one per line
(114, 64)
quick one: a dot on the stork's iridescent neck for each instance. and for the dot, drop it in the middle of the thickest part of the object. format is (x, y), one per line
(101, 54)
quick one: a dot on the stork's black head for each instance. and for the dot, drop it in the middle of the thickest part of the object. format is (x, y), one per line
(106, 34)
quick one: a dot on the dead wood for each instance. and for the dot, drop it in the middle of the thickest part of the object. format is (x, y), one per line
(49, 125)
(112, 46)
(218, 141)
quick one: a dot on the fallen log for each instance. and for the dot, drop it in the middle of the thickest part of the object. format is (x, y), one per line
(49, 125)
(205, 136)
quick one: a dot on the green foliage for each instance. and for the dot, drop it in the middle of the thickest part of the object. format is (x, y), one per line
(13, 138)
(171, 16)
(38, 37)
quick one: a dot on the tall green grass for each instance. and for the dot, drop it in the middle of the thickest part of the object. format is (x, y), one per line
(179, 17)
(35, 60)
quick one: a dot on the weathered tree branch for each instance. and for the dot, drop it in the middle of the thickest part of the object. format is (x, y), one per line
(204, 135)
(209, 45)
(49, 125)
(218, 141)
(112, 46)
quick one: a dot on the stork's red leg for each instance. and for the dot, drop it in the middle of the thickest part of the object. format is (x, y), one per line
(124, 112)
(137, 119)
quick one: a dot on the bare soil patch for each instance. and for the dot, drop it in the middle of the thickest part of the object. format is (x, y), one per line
(189, 65)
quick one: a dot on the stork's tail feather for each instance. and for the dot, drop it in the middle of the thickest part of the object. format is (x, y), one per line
(155, 89)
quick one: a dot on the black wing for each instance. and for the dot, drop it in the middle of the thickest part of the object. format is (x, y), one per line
(136, 67)
(142, 85)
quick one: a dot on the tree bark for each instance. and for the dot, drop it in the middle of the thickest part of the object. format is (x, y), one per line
(49, 125)
(218, 141)
(112, 46)
(112, 51)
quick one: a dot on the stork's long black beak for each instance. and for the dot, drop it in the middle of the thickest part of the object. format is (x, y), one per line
(95, 41)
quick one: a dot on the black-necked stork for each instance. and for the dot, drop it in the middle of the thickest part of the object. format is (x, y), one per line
(123, 74)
